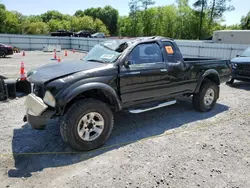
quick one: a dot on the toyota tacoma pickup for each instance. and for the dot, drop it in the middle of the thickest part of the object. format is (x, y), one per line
(134, 76)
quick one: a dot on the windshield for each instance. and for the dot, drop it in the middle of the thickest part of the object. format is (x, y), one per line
(246, 53)
(101, 53)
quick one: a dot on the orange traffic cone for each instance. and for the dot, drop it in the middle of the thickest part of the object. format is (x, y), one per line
(22, 72)
(59, 59)
(65, 53)
(23, 53)
(55, 56)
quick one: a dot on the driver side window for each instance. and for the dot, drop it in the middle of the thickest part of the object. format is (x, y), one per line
(146, 53)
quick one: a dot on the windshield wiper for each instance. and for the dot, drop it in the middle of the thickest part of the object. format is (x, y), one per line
(96, 60)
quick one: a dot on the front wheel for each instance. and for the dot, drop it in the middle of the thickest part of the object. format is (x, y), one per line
(206, 98)
(3, 54)
(87, 124)
(230, 82)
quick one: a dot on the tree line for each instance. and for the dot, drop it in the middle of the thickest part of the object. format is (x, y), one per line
(99, 20)
(179, 20)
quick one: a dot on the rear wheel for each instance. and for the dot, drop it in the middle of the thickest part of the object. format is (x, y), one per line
(87, 124)
(206, 98)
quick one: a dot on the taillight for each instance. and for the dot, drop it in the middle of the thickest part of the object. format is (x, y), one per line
(8, 46)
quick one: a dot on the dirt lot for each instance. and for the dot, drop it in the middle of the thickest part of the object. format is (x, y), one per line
(169, 147)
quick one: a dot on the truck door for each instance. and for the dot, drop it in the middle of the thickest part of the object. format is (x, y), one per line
(145, 74)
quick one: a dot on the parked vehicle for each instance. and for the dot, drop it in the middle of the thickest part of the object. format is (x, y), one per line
(83, 33)
(119, 75)
(232, 36)
(5, 50)
(16, 49)
(240, 67)
(62, 33)
(99, 35)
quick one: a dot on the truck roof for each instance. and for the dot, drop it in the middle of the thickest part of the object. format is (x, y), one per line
(114, 44)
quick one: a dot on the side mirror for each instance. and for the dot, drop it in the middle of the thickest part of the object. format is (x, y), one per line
(238, 55)
(127, 63)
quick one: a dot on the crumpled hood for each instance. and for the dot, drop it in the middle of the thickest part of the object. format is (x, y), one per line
(241, 60)
(55, 70)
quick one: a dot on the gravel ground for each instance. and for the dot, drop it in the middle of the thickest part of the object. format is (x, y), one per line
(169, 147)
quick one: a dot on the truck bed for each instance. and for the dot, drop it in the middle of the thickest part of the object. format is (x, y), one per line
(205, 60)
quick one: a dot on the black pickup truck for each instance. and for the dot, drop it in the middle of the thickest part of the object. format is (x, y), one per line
(119, 75)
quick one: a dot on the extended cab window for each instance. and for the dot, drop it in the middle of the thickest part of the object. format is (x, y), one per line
(170, 50)
(146, 53)
(173, 54)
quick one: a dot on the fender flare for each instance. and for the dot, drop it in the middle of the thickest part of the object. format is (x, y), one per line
(210, 72)
(89, 86)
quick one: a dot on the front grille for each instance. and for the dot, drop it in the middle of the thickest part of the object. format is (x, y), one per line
(244, 66)
(245, 72)
(38, 90)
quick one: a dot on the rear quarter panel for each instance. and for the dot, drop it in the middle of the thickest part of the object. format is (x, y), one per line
(200, 68)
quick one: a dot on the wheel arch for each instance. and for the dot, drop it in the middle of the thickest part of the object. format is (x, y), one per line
(211, 75)
(99, 91)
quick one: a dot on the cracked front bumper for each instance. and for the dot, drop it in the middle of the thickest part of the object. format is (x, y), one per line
(37, 113)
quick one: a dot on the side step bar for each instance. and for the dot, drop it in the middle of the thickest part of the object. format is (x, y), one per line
(137, 111)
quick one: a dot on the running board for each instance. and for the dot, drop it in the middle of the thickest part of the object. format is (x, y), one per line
(137, 111)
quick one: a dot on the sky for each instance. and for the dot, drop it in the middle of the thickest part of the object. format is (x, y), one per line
(35, 7)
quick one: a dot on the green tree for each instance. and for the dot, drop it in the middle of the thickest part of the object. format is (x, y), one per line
(201, 5)
(99, 26)
(245, 21)
(146, 15)
(37, 28)
(231, 27)
(108, 15)
(2, 18)
(51, 14)
(125, 26)
(11, 23)
(134, 8)
(217, 8)
(79, 13)
(146, 3)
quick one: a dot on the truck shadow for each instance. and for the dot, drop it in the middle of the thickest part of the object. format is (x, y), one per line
(129, 128)
(242, 85)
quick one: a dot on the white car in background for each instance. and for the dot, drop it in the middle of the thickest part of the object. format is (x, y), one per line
(98, 35)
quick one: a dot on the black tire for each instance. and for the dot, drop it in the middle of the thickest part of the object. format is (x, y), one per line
(198, 98)
(230, 82)
(1, 54)
(69, 123)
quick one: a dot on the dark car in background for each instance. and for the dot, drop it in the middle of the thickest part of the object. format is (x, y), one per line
(5, 50)
(62, 33)
(99, 35)
(83, 33)
(240, 67)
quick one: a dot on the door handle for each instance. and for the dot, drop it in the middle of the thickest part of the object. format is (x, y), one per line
(133, 73)
(164, 70)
